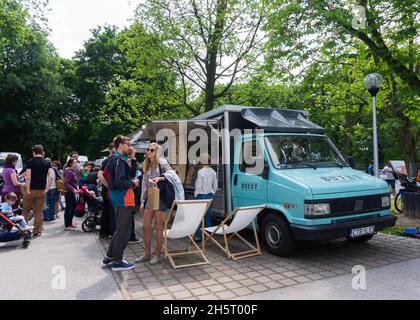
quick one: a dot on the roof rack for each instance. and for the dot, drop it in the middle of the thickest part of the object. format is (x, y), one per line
(269, 119)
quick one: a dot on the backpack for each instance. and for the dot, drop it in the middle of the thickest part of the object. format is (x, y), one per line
(59, 182)
(167, 191)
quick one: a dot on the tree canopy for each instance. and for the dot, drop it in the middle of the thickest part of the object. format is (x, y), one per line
(181, 58)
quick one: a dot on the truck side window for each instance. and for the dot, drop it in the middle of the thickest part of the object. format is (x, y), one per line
(251, 158)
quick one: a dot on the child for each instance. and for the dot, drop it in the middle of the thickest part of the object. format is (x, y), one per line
(6, 209)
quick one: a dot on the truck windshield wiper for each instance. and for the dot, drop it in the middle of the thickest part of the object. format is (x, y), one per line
(309, 165)
(337, 164)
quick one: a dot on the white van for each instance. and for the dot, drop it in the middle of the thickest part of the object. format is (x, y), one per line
(82, 159)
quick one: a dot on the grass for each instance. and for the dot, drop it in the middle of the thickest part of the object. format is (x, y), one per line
(395, 231)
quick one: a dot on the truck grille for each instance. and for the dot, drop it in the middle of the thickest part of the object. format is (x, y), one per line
(355, 205)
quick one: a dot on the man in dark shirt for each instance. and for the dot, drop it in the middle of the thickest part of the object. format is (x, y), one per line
(37, 186)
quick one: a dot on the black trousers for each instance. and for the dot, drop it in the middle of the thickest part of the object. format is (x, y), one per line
(70, 198)
(121, 237)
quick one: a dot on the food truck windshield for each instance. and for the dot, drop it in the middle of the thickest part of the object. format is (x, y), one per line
(303, 151)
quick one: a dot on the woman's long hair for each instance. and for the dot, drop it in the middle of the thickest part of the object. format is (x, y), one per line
(70, 163)
(153, 164)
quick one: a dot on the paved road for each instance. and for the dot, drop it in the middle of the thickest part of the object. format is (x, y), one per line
(33, 273)
(317, 271)
(399, 281)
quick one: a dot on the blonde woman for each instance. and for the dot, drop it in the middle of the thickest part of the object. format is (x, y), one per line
(154, 166)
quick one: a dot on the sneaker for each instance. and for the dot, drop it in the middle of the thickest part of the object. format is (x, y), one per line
(156, 259)
(70, 229)
(122, 266)
(142, 259)
(107, 261)
(36, 235)
(135, 240)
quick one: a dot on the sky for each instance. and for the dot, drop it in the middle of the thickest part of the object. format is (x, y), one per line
(70, 21)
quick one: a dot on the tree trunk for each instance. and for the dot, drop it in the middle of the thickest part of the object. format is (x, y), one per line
(408, 143)
(209, 101)
(212, 52)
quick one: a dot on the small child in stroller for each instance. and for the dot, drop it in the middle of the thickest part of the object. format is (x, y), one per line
(7, 210)
(95, 205)
(13, 227)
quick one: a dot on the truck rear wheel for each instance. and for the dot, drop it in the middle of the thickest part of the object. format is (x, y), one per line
(277, 235)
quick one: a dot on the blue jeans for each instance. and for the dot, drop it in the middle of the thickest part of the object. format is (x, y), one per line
(207, 217)
(20, 221)
(50, 201)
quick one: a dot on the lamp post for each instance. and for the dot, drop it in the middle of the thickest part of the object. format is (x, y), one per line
(373, 83)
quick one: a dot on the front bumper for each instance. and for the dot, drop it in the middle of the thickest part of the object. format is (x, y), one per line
(338, 230)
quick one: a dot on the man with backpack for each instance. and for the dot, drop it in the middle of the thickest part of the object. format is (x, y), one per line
(122, 169)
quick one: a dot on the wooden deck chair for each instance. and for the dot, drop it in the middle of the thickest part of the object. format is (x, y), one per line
(242, 218)
(188, 217)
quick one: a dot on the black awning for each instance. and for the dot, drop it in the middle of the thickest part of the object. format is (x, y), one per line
(281, 120)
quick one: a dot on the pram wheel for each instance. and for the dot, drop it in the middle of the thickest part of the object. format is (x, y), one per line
(26, 239)
(89, 225)
(26, 243)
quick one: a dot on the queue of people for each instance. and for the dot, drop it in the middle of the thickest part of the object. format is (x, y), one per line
(124, 187)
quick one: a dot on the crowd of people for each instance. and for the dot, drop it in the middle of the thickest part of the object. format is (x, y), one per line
(122, 184)
(390, 174)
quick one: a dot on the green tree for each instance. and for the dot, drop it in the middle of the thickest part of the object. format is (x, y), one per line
(94, 68)
(321, 43)
(146, 90)
(210, 43)
(32, 95)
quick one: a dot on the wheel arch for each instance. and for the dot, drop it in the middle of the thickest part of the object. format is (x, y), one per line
(270, 211)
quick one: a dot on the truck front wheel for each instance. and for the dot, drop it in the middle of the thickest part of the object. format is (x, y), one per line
(277, 235)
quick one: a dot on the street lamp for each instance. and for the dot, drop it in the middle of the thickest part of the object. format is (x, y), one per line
(373, 83)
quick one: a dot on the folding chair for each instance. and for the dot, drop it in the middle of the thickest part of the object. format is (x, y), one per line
(242, 218)
(189, 214)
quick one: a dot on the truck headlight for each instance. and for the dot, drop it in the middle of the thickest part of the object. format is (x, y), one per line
(386, 201)
(317, 209)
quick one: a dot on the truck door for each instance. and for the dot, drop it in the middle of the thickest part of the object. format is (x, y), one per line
(250, 175)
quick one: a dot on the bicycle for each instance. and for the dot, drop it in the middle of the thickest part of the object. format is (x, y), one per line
(407, 184)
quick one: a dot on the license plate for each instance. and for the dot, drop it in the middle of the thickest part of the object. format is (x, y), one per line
(359, 232)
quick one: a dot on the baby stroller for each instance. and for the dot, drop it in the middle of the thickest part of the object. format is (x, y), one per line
(94, 214)
(10, 231)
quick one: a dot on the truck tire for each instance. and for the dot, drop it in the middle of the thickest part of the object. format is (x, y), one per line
(277, 235)
(361, 239)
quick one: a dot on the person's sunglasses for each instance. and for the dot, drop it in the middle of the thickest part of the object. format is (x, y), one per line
(151, 150)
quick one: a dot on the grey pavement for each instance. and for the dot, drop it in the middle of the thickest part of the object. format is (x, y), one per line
(398, 281)
(317, 271)
(58, 265)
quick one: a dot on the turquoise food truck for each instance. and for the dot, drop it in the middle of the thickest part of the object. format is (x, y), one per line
(310, 191)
